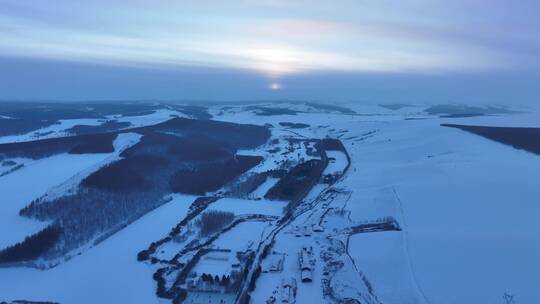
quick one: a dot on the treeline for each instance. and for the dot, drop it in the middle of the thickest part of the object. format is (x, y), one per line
(527, 139)
(207, 179)
(93, 143)
(234, 135)
(213, 221)
(332, 144)
(15, 126)
(198, 206)
(182, 147)
(243, 186)
(128, 174)
(115, 195)
(33, 246)
(197, 112)
(293, 125)
(225, 133)
(107, 126)
(92, 213)
(297, 181)
(223, 281)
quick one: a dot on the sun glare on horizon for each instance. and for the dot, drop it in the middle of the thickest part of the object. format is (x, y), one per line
(275, 86)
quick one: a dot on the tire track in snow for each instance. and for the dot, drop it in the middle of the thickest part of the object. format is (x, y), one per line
(407, 253)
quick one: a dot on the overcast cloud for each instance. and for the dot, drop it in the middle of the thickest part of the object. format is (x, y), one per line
(340, 50)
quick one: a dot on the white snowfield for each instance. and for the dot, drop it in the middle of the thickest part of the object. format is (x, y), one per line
(468, 208)
(107, 273)
(39, 177)
(55, 130)
(468, 205)
(157, 116)
(59, 129)
(245, 207)
(264, 187)
(337, 161)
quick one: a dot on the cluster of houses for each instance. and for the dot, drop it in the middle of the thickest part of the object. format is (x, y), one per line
(210, 279)
(273, 262)
(307, 230)
(286, 292)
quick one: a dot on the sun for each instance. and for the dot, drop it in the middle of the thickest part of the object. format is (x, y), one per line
(275, 86)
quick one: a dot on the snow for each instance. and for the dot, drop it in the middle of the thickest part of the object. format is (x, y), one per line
(485, 220)
(125, 140)
(18, 162)
(30, 182)
(382, 258)
(121, 143)
(507, 120)
(107, 273)
(33, 180)
(55, 130)
(307, 292)
(337, 161)
(58, 129)
(216, 263)
(372, 203)
(157, 116)
(209, 298)
(469, 206)
(242, 237)
(264, 187)
(243, 206)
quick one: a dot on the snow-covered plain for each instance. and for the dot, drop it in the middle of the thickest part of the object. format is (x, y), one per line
(337, 162)
(59, 129)
(468, 207)
(55, 130)
(381, 258)
(216, 263)
(150, 119)
(107, 273)
(242, 237)
(38, 177)
(243, 206)
(264, 187)
(31, 182)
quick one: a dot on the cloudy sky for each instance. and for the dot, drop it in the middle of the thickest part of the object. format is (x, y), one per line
(485, 51)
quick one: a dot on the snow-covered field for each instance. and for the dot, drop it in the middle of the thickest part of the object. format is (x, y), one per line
(107, 273)
(264, 187)
(39, 177)
(216, 263)
(55, 130)
(243, 236)
(59, 129)
(243, 206)
(337, 161)
(31, 182)
(468, 207)
(150, 119)
(382, 258)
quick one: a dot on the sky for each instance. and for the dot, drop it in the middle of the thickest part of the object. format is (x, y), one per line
(462, 51)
